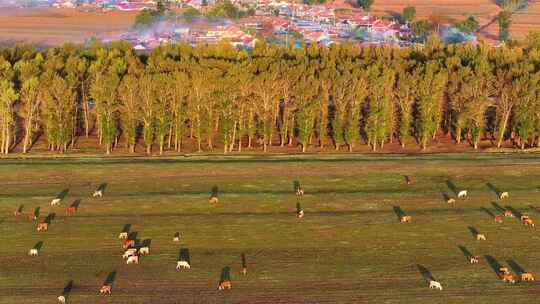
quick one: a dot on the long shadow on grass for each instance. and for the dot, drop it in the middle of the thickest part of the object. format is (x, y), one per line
(68, 288)
(534, 209)
(38, 245)
(445, 196)
(426, 274)
(184, 255)
(50, 217)
(465, 252)
(515, 266)
(76, 203)
(498, 207)
(110, 278)
(62, 194)
(146, 242)
(493, 263)
(225, 274)
(296, 185)
(486, 210)
(399, 212)
(132, 235)
(127, 228)
(452, 186)
(494, 189)
(473, 231)
(37, 212)
(243, 258)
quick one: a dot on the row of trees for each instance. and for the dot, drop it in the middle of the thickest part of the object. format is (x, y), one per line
(340, 96)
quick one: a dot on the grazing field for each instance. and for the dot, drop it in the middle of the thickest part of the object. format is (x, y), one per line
(349, 247)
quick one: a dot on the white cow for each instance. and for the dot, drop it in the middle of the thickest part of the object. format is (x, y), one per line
(435, 285)
(182, 264)
(129, 252)
(481, 237)
(176, 238)
(300, 214)
(462, 194)
(133, 260)
(56, 201)
(504, 195)
(123, 235)
(62, 299)
(98, 193)
(144, 250)
(33, 252)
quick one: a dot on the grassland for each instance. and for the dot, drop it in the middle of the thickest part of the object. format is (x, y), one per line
(349, 248)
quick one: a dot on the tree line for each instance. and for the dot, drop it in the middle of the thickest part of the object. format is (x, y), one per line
(335, 97)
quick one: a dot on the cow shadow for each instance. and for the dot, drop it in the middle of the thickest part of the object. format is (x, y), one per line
(68, 288)
(76, 203)
(494, 189)
(399, 212)
(445, 196)
(515, 266)
(225, 274)
(37, 212)
(62, 194)
(498, 207)
(296, 185)
(244, 261)
(146, 242)
(132, 235)
(450, 184)
(473, 231)
(111, 277)
(426, 274)
(184, 255)
(533, 208)
(214, 192)
(465, 251)
(50, 217)
(298, 207)
(38, 245)
(127, 228)
(493, 263)
(514, 211)
(102, 187)
(486, 210)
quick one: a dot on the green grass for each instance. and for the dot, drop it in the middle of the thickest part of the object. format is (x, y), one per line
(349, 248)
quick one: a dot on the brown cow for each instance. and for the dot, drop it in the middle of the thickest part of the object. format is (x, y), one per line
(405, 219)
(71, 210)
(528, 222)
(451, 201)
(244, 270)
(508, 278)
(213, 200)
(508, 213)
(128, 243)
(17, 213)
(504, 270)
(224, 285)
(498, 218)
(527, 276)
(105, 289)
(42, 226)
(300, 191)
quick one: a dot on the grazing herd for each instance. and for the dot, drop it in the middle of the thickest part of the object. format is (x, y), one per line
(133, 251)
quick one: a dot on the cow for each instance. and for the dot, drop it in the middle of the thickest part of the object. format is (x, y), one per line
(435, 285)
(176, 238)
(508, 278)
(498, 219)
(42, 226)
(33, 252)
(481, 237)
(224, 285)
(61, 300)
(525, 217)
(71, 210)
(17, 213)
(129, 252)
(105, 289)
(182, 264)
(123, 235)
(134, 259)
(527, 276)
(405, 219)
(55, 201)
(474, 259)
(243, 271)
(528, 222)
(98, 193)
(300, 214)
(509, 213)
(503, 195)
(451, 201)
(462, 194)
(144, 250)
(128, 243)
(213, 200)
(300, 191)
(503, 270)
